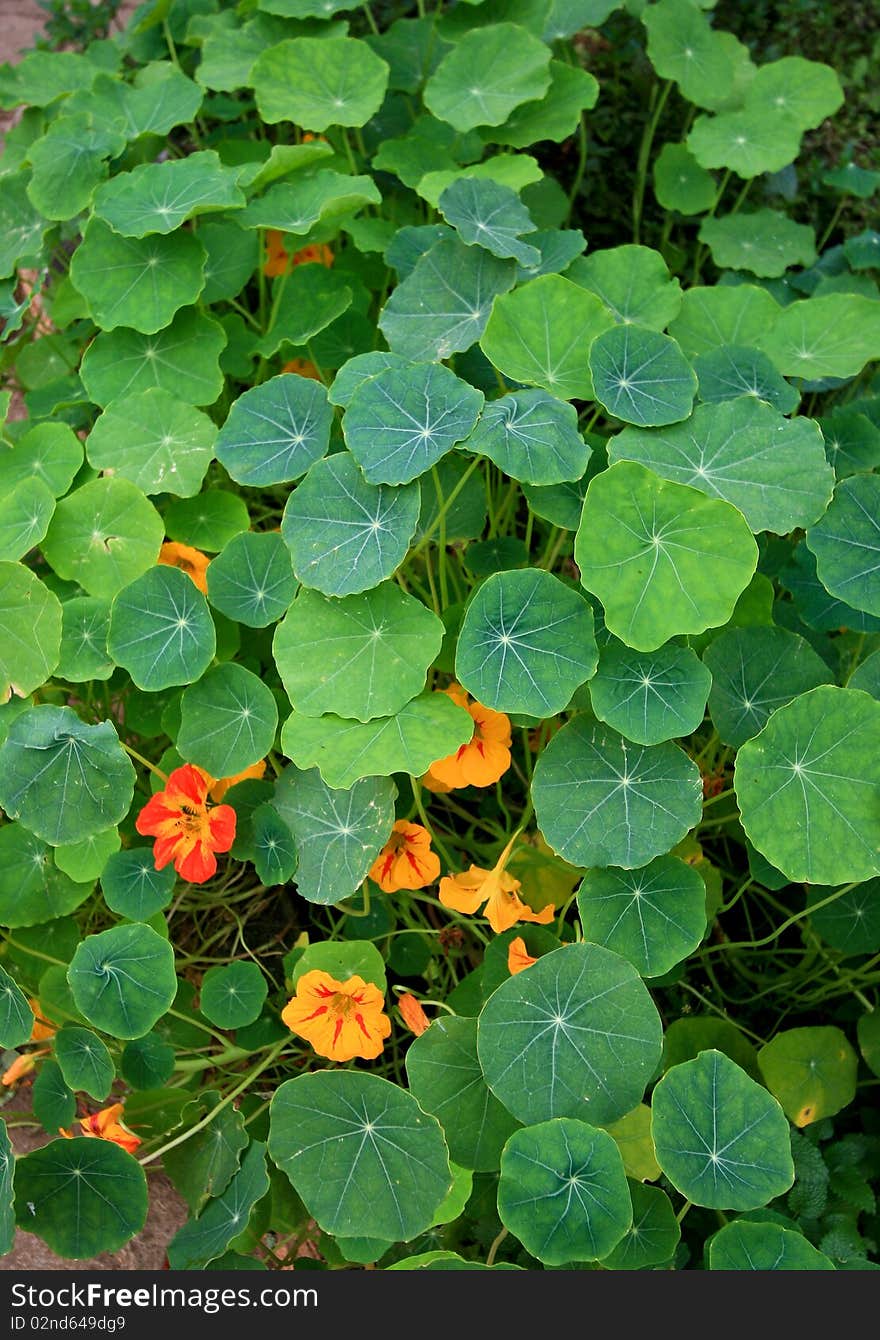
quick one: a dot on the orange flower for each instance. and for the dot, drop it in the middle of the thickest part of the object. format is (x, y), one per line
(497, 889)
(218, 786)
(303, 368)
(485, 757)
(279, 260)
(42, 1029)
(406, 861)
(105, 1125)
(187, 832)
(21, 1066)
(341, 1020)
(518, 957)
(413, 1015)
(191, 561)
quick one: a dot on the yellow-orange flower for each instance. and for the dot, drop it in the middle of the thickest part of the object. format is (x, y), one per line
(279, 260)
(106, 1125)
(518, 957)
(413, 1015)
(43, 1028)
(191, 561)
(406, 861)
(218, 786)
(484, 758)
(21, 1066)
(303, 368)
(341, 1020)
(497, 889)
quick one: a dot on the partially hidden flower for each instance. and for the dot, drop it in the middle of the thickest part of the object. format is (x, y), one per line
(483, 759)
(106, 1125)
(186, 830)
(43, 1028)
(406, 861)
(303, 368)
(496, 888)
(22, 1065)
(218, 786)
(191, 561)
(518, 957)
(341, 1020)
(279, 260)
(413, 1015)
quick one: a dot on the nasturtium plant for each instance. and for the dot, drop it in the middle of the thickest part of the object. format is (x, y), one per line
(440, 638)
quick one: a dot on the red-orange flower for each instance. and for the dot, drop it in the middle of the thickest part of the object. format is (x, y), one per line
(279, 260)
(106, 1125)
(187, 832)
(413, 1015)
(341, 1020)
(406, 861)
(518, 957)
(484, 758)
(303, 368)
(191, 561)
(497, 889)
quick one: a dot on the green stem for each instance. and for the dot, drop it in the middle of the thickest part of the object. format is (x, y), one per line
(645, 154)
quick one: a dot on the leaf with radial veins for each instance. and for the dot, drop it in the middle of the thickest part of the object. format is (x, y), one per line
(720, 1137)
(137, 282)
(806, 89)
(50, 452)
(755, 670)
(103, 535)
(275, 431)
(400, 422)
(30, 631)
(633, 283)
(833, 336)
(808, 787)
(486, 76)
(815, 606)
(81, 1197)
(727, 314)
(542, 332)
(682, 46)
(441, 307)
(155, 440)
(526, 643)
(161, 630)
(531, 436)
(735, 370)
(338, 833)
(763, 242)
(641, 377)
(600, 800)
(575, 1034)
(410, 741)
(771, 468)
(661, 557)
(33, 889)
(228, 720)
(746, 1246)
(555, 116)
(650, 696)
(16, 1015)
(159, 197)
(680, 183)
(182, 359)
(654, 916)
(362, 368)
(123, 979)
(491, 216)
(363, 656)
(252, 580)
(318, 82)
(846, 543)
(344, 534)
(747, 141)
(653, 1235)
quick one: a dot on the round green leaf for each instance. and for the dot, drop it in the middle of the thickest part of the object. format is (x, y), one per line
(814, 605)
(123, 979)
(133, 887)
(680, 183)
(209, 521)
(228, 720)
(445, 1078)
(53, 1103)
(747, 141)
(563, 1191)
(745, 1246)
(685, 1038)
(25, 514)
(81, 1197)
(726, 314)
(807, 787)
(252, 580)
(851, 923)
(763, 241)
(554, 116)
(318, 82)
(363, 656)
(721, 1139)
(735, 370)
(359, 370)
(531, 436)
(85, 860)
(400, 422)
(137, 282)
(68, 163)
(491, 216)
(806, 89)
(754, 671)
(653, 1235)
(869, 1040)
(63, 779)
(233, 996)
(183, 359)
(85, 1062)
(863, 251)
(486, 75)
(526, 643)
(103, 536)
(343, 960)
(147, 1062)
(682, 46)
(311, 198)
(577, 1027)
(654, 916)
(852, 441)
(443, 305)
(661, 557)
(275, 431)
(30, 631)
(161, 630)
(633, 283)
(811, 1071)
(85, 622)
(541, 334)
(338, 834)
(233, 256)
(159, 197)
(344, 534)
(424, 730)
(600, 800)
(833, 336)
(650, 696)
(155, 440)
(16, 1015)
(50, 452)
(641, 376)
(390, 1167)
(32, 888)
(275, 855)
(846, 542)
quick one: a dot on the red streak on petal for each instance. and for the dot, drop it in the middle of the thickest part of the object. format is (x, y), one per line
(361, 1025)
(337, 1030)
(322, 1009)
